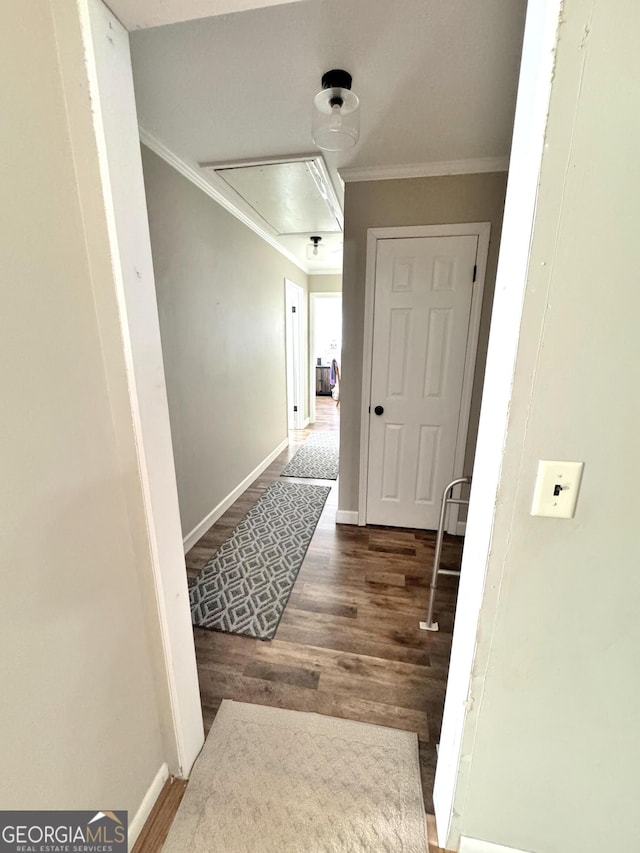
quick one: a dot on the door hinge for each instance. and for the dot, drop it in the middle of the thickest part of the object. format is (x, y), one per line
(293, 308)
(295, 408)
(475, 271)
(369, 409)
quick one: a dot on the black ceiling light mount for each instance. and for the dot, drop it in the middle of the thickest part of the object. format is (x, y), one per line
(337, 79)
(314, 250)
(336, 117)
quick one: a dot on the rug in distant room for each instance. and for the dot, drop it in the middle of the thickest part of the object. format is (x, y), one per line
(245, 587)
(270, 780)
(318, 457)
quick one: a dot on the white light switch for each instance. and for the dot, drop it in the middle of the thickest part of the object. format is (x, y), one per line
(557, 487)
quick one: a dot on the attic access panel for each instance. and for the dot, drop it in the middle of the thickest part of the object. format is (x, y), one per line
(292, 195)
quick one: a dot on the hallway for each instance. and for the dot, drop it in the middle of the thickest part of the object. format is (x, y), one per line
(348, 644)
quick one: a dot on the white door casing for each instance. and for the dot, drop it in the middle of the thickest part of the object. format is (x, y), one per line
(466, 676)
(421, 317)
(294, 349)
(421, 341)
(99, 90)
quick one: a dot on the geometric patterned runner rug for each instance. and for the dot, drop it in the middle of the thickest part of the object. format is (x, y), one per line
(318, 457)
(270, 780)
(245, 587)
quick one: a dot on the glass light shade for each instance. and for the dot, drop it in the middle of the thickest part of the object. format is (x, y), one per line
(315, 253)
(336, 119)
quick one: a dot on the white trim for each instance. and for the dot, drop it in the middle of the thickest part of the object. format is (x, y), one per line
(484, 233)
(346, 516)
(367, 360)
(192, 172)
(312, 359)
(111, 101)
(305, 423)
(295, 355)
(322, 179)
(148, 802)
(461, 528)
(465, 679)
(337, 270)
(481, 230)
(142, 16)
(425, 170)
(472, 845)
(200, 529)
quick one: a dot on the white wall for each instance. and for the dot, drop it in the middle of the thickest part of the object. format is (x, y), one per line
(551, 750)
(82, 718)
(327, 329)
(221, 300)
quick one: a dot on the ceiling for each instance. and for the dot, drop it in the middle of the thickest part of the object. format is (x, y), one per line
(437, 83)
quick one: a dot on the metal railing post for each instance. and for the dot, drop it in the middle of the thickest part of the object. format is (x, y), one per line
(429, 624)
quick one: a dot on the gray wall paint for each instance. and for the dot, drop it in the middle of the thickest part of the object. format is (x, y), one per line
(79, 723)
(411, 201)
(221, 304)
(552, 736)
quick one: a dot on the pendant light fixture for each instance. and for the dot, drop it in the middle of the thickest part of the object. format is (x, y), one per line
(314, 250)
(336, 114)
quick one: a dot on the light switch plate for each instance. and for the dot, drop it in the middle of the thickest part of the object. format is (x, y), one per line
(557, 487)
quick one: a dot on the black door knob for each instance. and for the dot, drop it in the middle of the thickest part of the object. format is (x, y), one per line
(378, 410)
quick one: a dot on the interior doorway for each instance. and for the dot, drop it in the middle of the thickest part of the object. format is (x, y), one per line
(325, 348)
(182, 647)
(424, 293)
(294, 329)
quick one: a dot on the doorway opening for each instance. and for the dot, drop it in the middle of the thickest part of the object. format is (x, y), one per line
(294, 348)
(372, 620)
(325, 352)
(424, 292)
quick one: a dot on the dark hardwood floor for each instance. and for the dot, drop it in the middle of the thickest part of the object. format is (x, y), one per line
(348, 644)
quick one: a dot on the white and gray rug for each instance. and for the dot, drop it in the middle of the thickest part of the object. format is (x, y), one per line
(245, 587)
(275, 781)
(318, 457)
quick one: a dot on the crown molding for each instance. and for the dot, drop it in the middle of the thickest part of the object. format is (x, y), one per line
(193, 173)
(425, 170)
(327, 271)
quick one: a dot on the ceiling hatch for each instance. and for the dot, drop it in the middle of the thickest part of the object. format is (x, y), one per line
(292, 195)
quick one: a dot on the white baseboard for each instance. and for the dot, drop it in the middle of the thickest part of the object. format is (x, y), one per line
(148, 802)
(472, 845)
(200, 529)
(345, 516)
(305, 423)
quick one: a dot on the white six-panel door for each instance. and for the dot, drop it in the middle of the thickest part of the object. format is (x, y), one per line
(423, 292)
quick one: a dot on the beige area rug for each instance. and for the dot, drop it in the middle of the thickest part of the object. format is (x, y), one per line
(275, 781)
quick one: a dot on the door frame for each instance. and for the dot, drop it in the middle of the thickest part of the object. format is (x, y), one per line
(482, 231)
(95, 64)
(294, 352)
(313, 297)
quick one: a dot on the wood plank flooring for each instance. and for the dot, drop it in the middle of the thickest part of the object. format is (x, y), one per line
(155, 831)
(348, 644)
